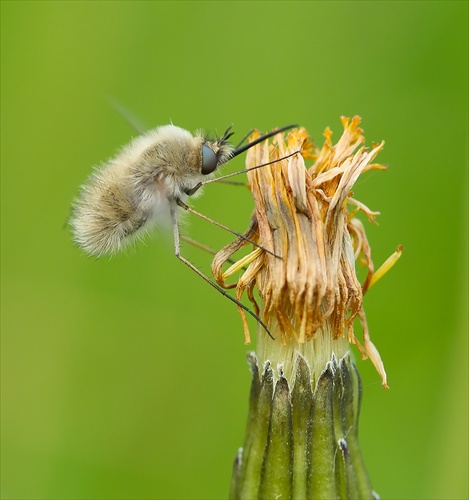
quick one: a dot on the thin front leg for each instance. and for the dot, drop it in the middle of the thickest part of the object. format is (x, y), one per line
(226, 228)
(190, 192)
(205, 248)
(177, 252)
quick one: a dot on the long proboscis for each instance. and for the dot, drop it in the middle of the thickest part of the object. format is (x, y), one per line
(264, 137)
(240, 150)
(218, 179)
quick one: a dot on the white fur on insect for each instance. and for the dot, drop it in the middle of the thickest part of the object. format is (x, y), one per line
(145, 181)
(148, 179)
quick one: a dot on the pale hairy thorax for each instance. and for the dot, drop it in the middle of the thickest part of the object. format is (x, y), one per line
(149, 181)
(125, 197)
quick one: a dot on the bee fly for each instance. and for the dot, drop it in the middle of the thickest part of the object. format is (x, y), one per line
(149, 179)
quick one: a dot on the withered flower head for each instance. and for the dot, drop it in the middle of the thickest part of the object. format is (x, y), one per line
(310, 294)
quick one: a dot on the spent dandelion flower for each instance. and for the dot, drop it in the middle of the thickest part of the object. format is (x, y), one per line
(301, 440)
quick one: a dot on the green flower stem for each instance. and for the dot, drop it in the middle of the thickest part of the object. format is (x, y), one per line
(302, 440)
(302, 401)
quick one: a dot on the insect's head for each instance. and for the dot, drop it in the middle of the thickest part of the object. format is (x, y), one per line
(216, 152)
(213, 153)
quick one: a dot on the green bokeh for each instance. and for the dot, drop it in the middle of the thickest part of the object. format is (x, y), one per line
(126, 378)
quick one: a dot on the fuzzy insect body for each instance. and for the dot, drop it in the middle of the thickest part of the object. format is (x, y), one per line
(125, 197)
(147, 181)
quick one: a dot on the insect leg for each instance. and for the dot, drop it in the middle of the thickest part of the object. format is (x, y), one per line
(203, 247)
(218, 179)
(226, 228)
(190, 192)
(177, 252)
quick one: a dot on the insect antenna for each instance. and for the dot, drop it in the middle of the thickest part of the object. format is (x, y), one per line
(227, 134)
(240, 150)
(244, 139)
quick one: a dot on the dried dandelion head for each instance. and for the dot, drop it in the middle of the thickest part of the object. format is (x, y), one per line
(310, 294)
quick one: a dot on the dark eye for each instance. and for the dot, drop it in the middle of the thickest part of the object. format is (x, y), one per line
(209, 160)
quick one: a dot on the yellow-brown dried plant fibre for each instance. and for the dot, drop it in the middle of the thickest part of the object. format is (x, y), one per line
(307, 218)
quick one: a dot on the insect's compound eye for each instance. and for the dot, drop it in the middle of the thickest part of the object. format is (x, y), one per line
(209, 160)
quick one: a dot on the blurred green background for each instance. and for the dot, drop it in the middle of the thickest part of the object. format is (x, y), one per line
(126, 377)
